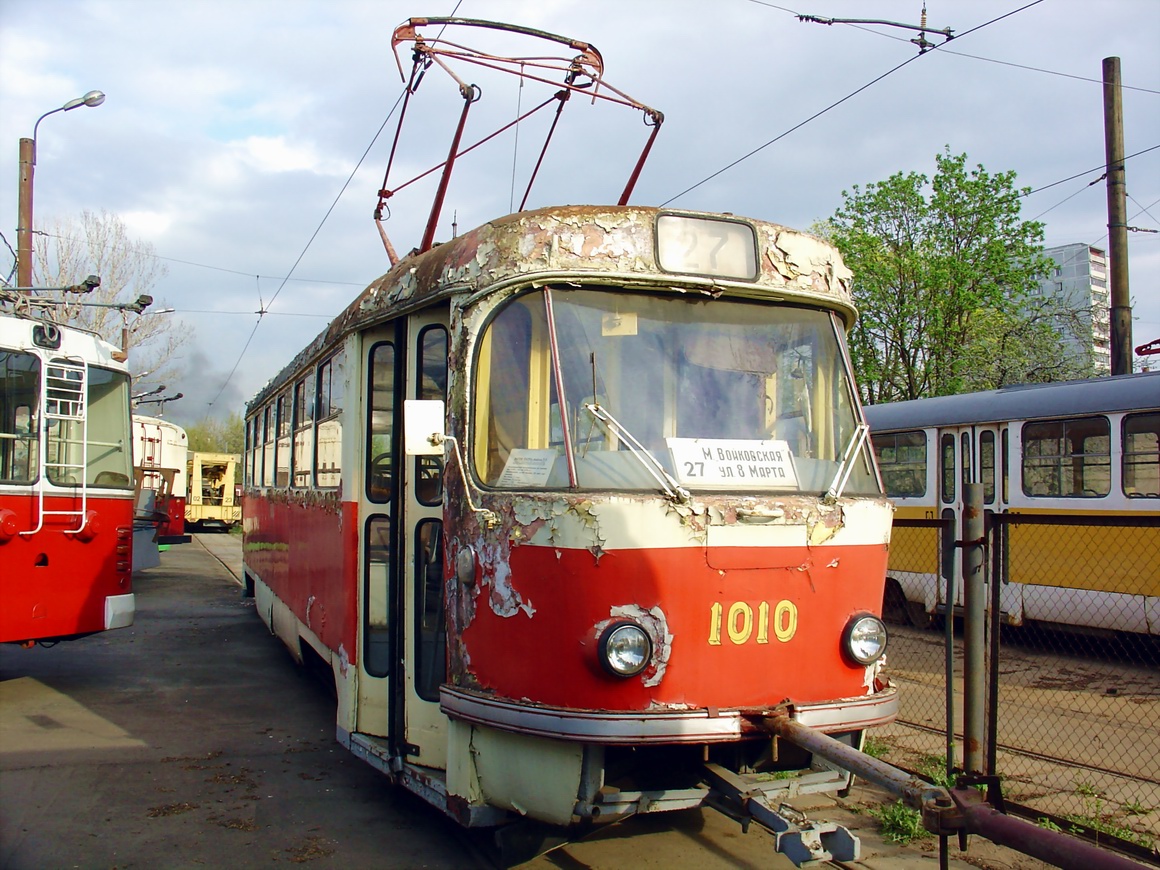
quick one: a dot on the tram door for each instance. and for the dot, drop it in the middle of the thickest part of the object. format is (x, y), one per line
(403, 641)
(971, 454)
(423, 633)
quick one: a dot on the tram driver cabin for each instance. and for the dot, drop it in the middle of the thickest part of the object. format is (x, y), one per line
(569, 504)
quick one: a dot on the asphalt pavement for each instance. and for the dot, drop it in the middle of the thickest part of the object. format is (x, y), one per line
(192, 740)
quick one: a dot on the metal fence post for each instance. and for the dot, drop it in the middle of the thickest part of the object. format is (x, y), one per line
(974, 629)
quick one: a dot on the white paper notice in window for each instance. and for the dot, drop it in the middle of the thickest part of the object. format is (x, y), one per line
(527, 468)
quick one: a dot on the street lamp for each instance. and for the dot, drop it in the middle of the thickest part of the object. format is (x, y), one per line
(27, 168)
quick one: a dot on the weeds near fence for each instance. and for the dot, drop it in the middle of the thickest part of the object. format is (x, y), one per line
(1095, 817)
(899, 823)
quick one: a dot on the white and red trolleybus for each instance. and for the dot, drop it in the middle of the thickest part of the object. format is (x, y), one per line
(66, 483)
(635, 513)
(160, 451)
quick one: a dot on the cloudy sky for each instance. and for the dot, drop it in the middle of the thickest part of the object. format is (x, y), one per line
(231, 130)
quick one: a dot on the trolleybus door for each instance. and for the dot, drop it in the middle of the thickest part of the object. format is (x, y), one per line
(423, 631)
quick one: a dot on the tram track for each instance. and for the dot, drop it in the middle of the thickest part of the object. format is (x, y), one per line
(1037, 756)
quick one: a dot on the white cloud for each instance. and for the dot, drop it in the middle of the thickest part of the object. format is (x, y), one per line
(230, 128)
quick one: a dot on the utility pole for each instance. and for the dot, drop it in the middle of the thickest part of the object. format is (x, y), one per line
(1121, 306)
(24, 213)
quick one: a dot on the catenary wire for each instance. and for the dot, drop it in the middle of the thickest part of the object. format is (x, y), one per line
(837, 103)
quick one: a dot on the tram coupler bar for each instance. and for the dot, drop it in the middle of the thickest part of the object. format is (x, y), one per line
(962, 810)
(800, 839)
(913, 790)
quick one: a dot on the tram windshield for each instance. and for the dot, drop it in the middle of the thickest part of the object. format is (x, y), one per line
(664, 391)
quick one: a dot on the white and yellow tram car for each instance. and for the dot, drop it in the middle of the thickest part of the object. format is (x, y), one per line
(1074, 465)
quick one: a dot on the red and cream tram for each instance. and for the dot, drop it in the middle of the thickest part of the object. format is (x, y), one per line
(160, 456)
(66, 483)
(569, 504)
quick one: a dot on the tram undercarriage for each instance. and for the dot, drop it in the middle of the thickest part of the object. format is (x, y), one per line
(592, 786)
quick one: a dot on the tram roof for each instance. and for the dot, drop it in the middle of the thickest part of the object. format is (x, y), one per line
(576, 244)
(1140, 391)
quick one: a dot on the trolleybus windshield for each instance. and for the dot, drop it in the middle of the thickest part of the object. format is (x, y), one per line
(723, 394)
(90, 441)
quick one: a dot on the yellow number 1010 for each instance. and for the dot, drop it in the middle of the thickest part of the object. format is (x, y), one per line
(739, 622)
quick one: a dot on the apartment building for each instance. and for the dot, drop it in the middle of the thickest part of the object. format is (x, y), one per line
(1079, 280)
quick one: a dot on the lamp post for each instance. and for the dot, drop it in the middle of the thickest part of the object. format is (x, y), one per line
(27, 168)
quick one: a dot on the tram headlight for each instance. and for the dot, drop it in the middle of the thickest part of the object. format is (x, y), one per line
(864, 639)
(625, 649)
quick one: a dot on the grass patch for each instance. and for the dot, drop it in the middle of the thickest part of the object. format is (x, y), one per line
(899, 823)
(1096, 818)
(875, 747)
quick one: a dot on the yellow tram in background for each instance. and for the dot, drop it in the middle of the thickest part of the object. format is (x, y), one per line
(1072, 469)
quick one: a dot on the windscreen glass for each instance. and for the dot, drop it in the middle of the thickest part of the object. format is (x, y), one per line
(591, 389)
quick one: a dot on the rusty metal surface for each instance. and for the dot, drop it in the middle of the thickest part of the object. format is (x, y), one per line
(578, 245)
(962, 810)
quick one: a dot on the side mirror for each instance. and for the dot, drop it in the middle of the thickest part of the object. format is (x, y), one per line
(423, 421)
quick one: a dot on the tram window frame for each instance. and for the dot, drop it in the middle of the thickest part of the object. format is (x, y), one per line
(1005, 457)
(965, 462)
(328, 416)
(430, 617)
(654, 360)
(246, 452)
(302, 463)
(1129, 450)
(282, 454)
(1085, 465)
(902, 458)
(947, 472)
(378, 615)
(268, 441)
(379, 485)
(987, 452)
(19, 420)
(432, 366)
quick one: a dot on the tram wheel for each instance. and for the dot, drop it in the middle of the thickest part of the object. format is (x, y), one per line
(894, 603)
(916, 613)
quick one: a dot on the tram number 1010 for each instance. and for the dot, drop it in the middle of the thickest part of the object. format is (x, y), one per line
(739, 622)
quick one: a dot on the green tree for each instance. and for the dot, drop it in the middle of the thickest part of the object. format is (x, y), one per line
(935, 261)
(211, 435)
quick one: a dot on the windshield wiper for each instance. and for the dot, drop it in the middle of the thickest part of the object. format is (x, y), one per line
(847, 464)
(671, 488)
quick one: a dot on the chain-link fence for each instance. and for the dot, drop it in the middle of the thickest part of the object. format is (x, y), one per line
(1073, 699)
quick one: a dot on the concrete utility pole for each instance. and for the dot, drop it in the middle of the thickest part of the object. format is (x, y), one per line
(24, 195)
(1121, 305)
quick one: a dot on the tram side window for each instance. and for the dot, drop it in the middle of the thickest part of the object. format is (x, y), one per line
(502, 385)
(282, 449)
(987, 465)
(430, 636)
(328, 448)
(947, 469)
(303, 432)
(381, 428)
(376, 597)
(19, 402)
(432, 385)
(1141, 461)
(255, 442)
(1067, 458)
(902, 459)
(268, 440)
